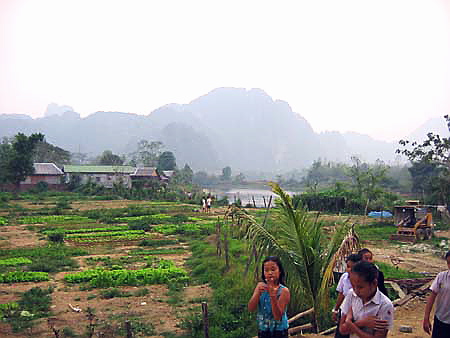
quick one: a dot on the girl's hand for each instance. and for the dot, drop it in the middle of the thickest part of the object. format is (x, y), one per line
(260, 288)
(374, 323)
(272, 288)
(334, 316)
(427, 326)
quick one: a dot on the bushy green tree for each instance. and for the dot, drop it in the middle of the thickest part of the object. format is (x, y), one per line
(430, 165)
(17, 158)
(167, 161)
(48, 153)
(108, 158)
(226, 173)
(147, 153)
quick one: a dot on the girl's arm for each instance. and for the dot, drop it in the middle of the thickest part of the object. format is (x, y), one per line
(279, 305)
(339, 301)
(353, 328)
(344, 324)
(253, 303)
(426, 317)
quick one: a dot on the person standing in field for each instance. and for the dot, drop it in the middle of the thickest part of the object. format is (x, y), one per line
(366, 311)
(208, 203)
(271, 298)
(343, 287)
(440, 292)
(367, 255)
(203, 204)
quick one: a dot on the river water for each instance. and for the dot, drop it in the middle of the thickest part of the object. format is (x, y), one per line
(247, 196)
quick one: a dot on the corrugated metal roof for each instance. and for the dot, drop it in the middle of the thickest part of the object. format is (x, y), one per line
(46, 169)
(168, 173)
(145, 171)
(99, 169)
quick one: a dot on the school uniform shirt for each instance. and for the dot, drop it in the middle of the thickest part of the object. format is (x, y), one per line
(441, 286)
(379, 306)
(344, 285)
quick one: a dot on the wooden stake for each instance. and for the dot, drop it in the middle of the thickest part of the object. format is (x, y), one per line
(205, 319)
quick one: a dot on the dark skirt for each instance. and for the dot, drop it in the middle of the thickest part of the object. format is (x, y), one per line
(440, 329)
(273, 334)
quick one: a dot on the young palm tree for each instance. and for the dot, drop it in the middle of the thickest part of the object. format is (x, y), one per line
(308, 256)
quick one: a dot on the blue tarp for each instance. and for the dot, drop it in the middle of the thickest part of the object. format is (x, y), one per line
(380, 214)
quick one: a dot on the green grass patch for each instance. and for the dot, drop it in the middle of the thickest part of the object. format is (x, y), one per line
(391, 272)
(375, 232)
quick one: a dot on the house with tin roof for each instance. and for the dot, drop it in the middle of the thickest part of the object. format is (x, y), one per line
(105, 175)
(48, 173)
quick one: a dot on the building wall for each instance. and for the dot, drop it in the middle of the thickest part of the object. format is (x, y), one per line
(107, 180)
(35, 179)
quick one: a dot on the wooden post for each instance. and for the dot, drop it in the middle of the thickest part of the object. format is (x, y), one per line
(254, 203)
(225, 245)
(205, 319)
(128, 329)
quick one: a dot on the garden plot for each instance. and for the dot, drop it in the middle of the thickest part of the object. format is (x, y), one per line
(120, 285)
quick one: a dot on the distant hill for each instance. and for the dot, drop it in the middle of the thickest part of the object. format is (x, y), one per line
(245, 129)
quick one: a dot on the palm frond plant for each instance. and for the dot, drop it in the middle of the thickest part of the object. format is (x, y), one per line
(308, 256)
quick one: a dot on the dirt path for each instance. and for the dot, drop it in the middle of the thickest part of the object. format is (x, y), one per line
(15, 236)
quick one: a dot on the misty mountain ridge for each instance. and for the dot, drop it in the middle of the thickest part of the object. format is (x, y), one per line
(244, 129)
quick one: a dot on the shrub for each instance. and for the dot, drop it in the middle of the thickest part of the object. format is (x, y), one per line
(56, 236)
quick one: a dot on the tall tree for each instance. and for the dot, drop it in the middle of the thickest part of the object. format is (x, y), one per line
(167, 161)
(19, 163)
(431, 165)
(48, 153)
(108, 158)
(226, 173)
(147, 153)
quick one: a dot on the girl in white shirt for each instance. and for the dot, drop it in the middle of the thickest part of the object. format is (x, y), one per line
(343, 287)
(440, 292)
(366, 311)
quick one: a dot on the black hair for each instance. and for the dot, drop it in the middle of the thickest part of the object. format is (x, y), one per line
(367, 271)
(277, 261)
(355, 258)
(363, 251)
(447, 255)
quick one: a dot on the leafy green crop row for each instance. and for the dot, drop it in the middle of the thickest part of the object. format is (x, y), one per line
(23, 276)
(105, 234)
(166, 272)
(184, 229)
(3, 221)
(87, 230)
(54, 219)
(128, 237)
(15, 261)
(7, 307)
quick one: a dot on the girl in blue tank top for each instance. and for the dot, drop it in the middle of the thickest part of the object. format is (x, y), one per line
(271, 298)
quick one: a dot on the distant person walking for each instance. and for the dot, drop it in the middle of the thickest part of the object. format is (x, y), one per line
(367, 256)
(203, 204)
(440, 292)
(271, 299)
(208, 203)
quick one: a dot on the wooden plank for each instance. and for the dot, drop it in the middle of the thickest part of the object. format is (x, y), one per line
(301, 314)
(300, 328)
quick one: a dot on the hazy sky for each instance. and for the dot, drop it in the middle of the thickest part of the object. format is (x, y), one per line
(376, 67)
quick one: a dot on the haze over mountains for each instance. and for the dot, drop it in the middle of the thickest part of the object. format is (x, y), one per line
(244, 129)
